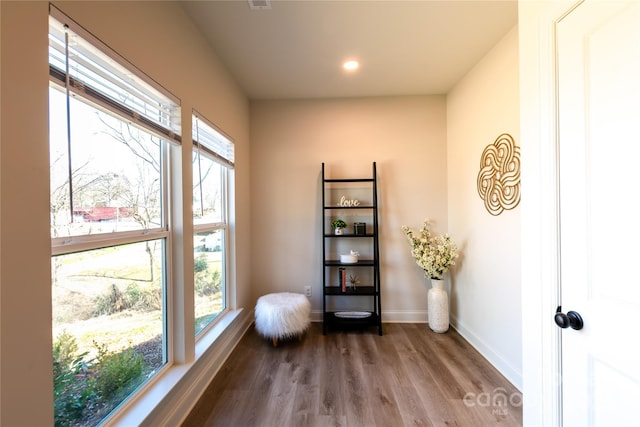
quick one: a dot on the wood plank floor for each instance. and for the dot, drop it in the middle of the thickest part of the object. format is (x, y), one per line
(410, 376)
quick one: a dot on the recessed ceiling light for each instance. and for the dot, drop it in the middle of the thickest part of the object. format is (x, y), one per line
(351, 65)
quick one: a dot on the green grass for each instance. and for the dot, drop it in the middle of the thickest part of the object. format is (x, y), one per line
(79, 287)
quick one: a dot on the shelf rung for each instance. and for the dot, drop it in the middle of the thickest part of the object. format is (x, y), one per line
(349, 207)
(348, 180)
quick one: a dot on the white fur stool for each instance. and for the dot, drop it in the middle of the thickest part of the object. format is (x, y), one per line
(282, 315)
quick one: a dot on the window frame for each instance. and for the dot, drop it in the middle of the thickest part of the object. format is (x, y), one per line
(185, 352)
(164, 233)
(224, 156)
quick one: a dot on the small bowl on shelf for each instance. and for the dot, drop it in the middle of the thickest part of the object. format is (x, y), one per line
(351, 258)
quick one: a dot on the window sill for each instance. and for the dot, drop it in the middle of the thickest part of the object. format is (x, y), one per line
(168, 399)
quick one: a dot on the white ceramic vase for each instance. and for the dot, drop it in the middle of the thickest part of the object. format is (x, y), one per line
(438, 306)
(338, 231)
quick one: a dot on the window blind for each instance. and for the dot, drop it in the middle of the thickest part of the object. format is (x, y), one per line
(94, 74)
(212, 142)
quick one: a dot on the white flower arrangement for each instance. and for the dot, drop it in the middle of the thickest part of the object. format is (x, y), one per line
(434, 254)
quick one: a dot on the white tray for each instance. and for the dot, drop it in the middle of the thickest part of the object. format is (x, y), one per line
(353, 314)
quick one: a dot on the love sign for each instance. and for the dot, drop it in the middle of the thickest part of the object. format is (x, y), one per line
(344, 202)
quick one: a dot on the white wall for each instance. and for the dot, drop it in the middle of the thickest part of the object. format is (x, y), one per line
(486, 284)
(290, 140)
(161, 41)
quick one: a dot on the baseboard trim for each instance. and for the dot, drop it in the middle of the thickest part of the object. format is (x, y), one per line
(404, 316)
(494, 358)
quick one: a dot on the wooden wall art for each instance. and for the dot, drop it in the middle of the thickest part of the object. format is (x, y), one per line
(499, 176)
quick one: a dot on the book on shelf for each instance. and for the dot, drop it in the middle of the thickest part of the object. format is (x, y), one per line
(343, 279)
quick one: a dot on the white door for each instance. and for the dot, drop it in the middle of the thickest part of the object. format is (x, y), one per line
(598, 53)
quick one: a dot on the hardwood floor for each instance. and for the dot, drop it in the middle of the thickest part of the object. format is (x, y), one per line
(410, 376)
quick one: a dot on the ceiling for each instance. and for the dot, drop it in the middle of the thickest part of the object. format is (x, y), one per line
(295, 49)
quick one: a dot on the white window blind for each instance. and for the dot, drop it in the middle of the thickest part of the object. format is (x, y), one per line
(212, 142)
(85, 70)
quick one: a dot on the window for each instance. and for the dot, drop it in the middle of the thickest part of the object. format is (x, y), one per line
(213, 156)
(110, 128)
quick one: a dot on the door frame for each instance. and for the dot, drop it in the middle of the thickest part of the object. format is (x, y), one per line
(541, 364)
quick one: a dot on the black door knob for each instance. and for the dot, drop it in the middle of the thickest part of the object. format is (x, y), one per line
(571, 319)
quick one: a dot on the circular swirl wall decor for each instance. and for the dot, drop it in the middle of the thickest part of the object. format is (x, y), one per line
(499, 176)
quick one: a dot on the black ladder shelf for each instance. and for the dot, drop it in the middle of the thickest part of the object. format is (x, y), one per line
(337, 296)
